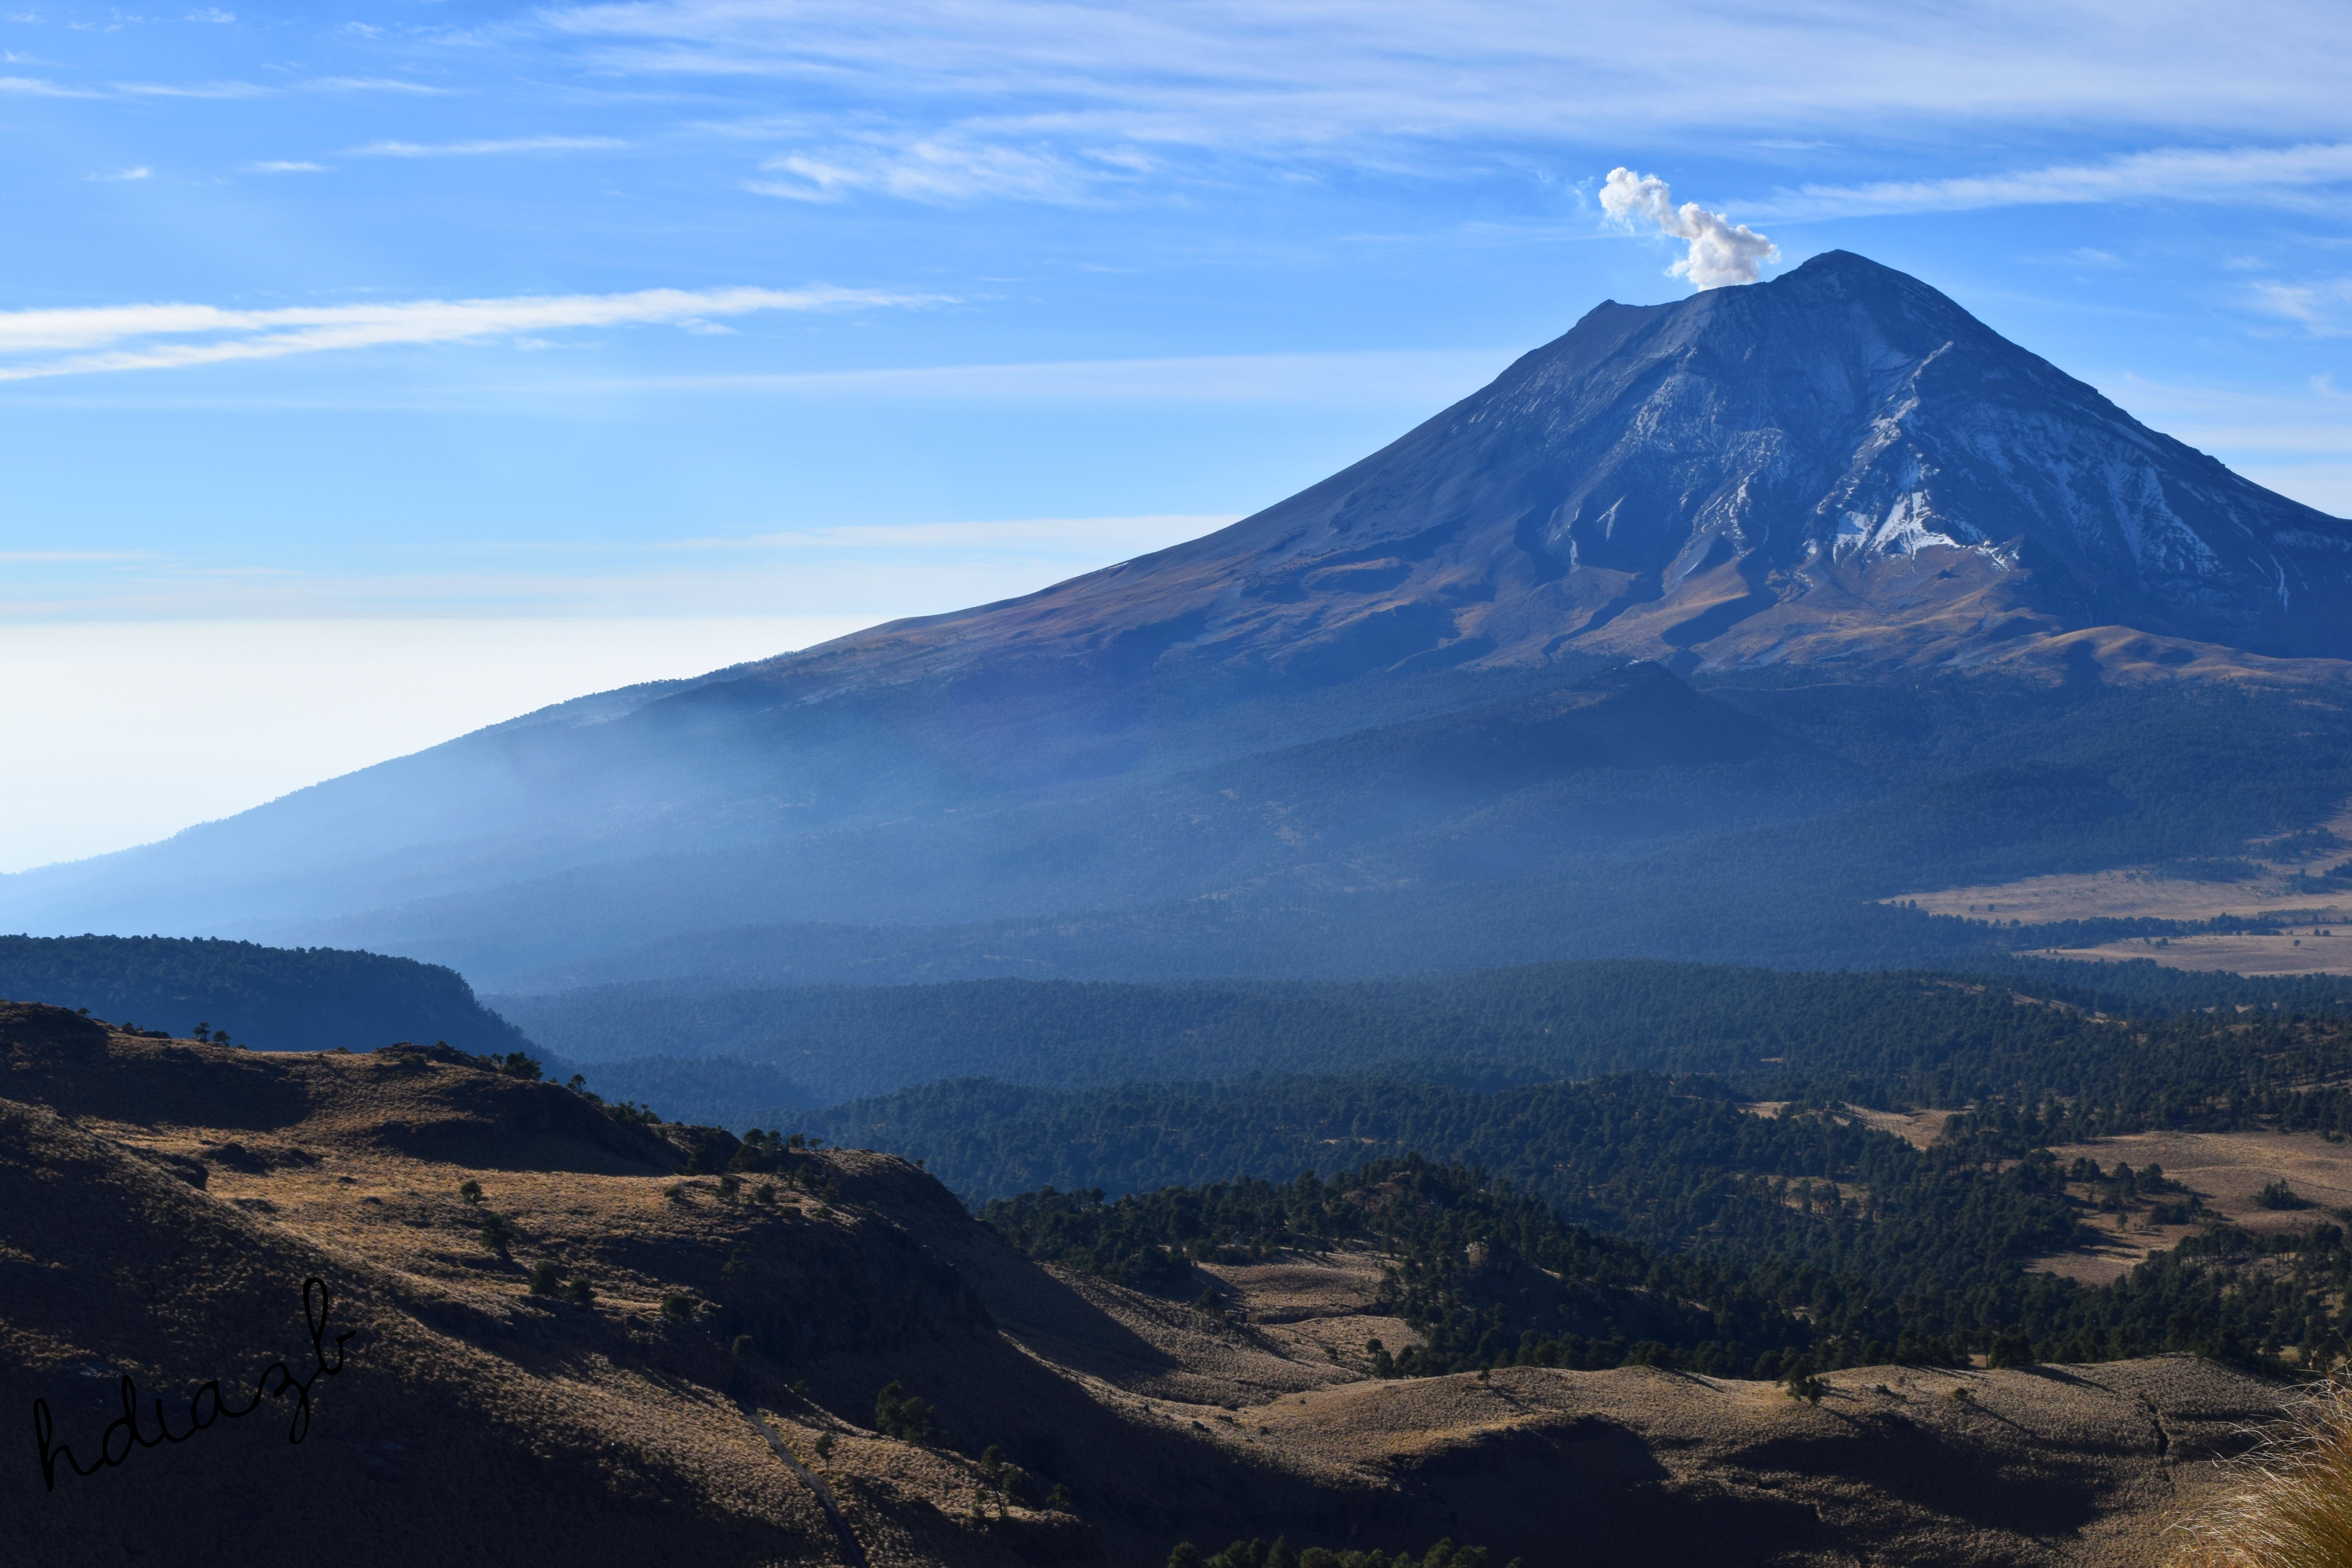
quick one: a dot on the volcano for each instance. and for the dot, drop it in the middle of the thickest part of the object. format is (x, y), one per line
(1463, 658)
(1841, 464)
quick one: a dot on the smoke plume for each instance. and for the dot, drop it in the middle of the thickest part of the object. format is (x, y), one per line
(1721, 251)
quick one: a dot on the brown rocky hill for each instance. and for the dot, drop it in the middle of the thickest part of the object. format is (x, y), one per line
(701, 1385)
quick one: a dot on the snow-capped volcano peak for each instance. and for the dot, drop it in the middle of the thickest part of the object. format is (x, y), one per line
(1840, 463)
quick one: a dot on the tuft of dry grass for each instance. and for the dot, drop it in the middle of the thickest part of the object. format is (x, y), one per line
(2292, 1504)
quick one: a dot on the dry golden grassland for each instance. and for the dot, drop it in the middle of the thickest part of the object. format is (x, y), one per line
(2226, 1171)
(1917, 1128)
(2323, 948)
(2320, 944)
(2123, 895)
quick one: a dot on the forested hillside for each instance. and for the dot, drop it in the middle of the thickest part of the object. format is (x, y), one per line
(1490, 1277)
(2027, 1072)
(269, 998)
(1778, 1033)
(1871, 1237)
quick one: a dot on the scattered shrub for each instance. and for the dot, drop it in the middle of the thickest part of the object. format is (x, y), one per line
(2279, 1195)
(544, 1279)
(471, 1190)
(907, 1418)
(1009, 1480)
(677, 1306)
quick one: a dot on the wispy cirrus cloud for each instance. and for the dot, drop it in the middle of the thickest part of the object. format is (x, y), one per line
(44, 87)
(40, 343)
(2323, 309)
(485, 147)
(1386, 378)
(1305, 75)
(41, 87)
(929, 169)
(2291, 177)
(374, 84)
(1091, 536)
(1040, 100)
(226, 90)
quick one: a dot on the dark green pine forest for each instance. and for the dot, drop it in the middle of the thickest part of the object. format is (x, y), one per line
(1600, 1188)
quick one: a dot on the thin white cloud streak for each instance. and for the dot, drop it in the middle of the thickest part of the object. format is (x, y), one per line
(2270, 175)
(41, 87)
(1433, 377)
(286, 166)
(931, 169)
(1721, 253)
(872, 572)
(872, 586)
(1090, 536)
(373, 84)
(271, 334)
(479, 149)
(37, 87)
(2323, 309)
(1260, 76)
(224, 90)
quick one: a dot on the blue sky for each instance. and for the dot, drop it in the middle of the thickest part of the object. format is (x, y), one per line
(554, 344)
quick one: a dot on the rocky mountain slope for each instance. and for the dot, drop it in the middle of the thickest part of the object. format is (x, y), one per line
(701, 1381)
(1839, 464)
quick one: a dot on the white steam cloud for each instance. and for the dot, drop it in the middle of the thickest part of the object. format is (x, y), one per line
(1721, 251)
